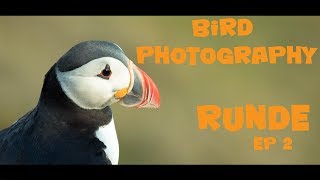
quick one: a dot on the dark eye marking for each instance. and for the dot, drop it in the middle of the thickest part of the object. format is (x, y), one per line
(105, 73)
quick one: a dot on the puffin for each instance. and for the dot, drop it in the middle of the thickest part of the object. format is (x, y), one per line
(72, 122)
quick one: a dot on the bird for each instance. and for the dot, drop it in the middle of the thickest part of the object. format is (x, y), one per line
(72, 122)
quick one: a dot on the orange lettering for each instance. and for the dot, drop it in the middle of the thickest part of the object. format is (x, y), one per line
(208, 115)
(291, 54)
(284, 117)
(245, 27)
(204, 55)
(269, 141)
(227, 118)
(226, 26)
(193, 57)
(159, 54)
(200, 27)
(259, 54)
(274, 52)
(257, 143)
(142, 52)
(241, 53)
(257, 117)
(225, 56)
(309, 53)
(178, 55)
(300, 120)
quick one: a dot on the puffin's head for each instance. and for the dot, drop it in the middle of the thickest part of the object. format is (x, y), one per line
(95, 74)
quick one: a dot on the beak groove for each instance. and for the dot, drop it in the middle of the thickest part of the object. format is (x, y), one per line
(150, 95)
(142, 91)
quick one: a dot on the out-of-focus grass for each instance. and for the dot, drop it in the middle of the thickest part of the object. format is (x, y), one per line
(29, 46)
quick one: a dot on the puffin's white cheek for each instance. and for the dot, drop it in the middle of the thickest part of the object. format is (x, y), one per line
(87, 92)
(95, 92)
(120, 82)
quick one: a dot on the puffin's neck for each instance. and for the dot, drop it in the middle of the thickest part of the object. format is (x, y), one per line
(61, 109)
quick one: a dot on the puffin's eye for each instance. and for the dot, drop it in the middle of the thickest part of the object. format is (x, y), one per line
(106, 72)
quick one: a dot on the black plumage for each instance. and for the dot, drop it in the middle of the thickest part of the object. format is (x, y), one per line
(56, 131)
(60, 131)
(84, 52)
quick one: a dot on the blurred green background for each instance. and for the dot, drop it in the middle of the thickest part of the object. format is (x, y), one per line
(29, 46)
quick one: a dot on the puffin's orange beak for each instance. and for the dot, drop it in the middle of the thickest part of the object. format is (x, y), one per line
(142, 91)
